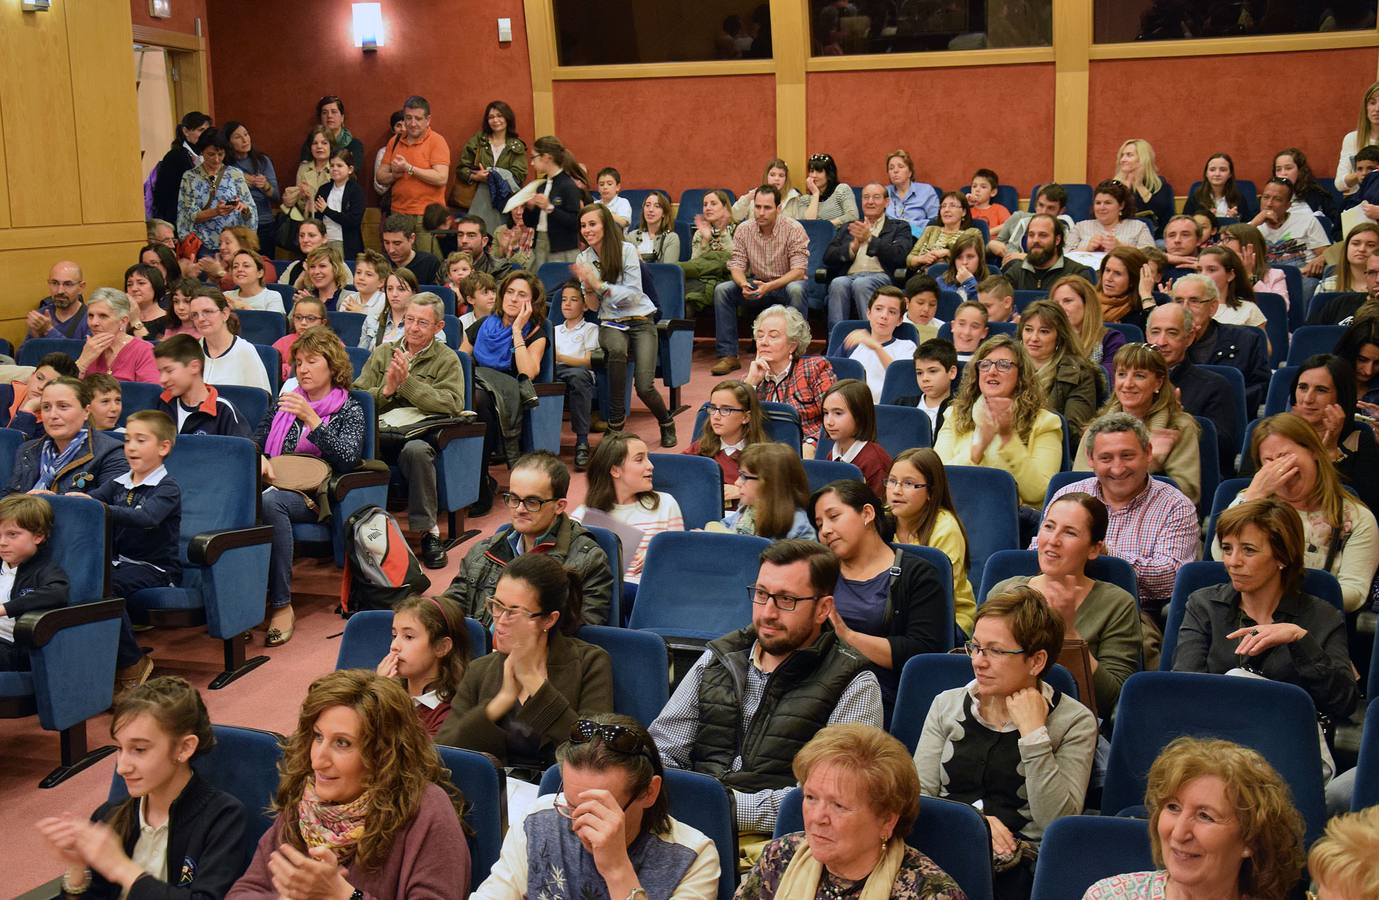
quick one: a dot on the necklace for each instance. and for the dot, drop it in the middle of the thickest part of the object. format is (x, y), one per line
(833, 887)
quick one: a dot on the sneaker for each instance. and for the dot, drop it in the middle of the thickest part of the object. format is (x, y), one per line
(668, 438)
(432, 551)
(581, 457)
(131, 677)
(725, 365)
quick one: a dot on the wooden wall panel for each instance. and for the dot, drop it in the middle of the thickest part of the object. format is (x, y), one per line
(107, 137)
(4, 181)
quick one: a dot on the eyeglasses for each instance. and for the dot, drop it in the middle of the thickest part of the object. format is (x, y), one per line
(784, 602)
(566, 810)
(204, 313)
(722, 410)
(498, 612)
(974, 649)
(303, 319)
(65, 285)
(530, 504)
(410, 321)
(906, 484)
(1000, 365)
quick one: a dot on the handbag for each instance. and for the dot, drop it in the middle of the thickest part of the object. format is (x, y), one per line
(300, 473)
(462, 193)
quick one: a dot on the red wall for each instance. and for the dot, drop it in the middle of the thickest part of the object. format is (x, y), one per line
(671, 133)
(1238, 104)
(951, 121)
(274, 60)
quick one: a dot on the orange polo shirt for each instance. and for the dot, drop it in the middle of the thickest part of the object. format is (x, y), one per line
(410, 194)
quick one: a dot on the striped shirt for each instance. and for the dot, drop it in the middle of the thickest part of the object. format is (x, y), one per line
(767, 258)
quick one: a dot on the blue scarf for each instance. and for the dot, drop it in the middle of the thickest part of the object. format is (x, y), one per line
(50, 462)
(493, 344)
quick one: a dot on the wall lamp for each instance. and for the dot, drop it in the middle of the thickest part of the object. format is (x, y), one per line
(368, 26)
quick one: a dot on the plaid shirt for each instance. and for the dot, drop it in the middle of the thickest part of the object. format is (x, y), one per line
(802, 386)
(768, 258)
(677, 728)
(1156, 533)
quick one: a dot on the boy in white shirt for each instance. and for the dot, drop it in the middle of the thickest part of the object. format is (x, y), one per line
(479, 291)
(877, 347)
(575, 341)
(609, 183)
(969, 328)
(371, 269)
(936, 368)
(921, 307)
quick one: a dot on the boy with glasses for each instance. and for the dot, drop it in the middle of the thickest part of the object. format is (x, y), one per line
(536, 499)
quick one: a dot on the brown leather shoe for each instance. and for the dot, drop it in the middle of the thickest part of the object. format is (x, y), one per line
(132, 676)
(725, 365)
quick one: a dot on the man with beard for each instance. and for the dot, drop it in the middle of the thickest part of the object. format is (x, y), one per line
(758, 695)
(1044, 262)
(62, 314)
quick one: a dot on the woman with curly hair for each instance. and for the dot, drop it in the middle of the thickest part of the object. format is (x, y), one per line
(1221, 824)
(364, 805)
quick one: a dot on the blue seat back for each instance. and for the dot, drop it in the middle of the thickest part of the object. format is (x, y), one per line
(261, 326)
(945, 831)
(1079, 851)
(668, 281)
(824, 471)
(641, 669)
(365, 400)
(612, 549)
(986, 500)
(34, 349)
(348, 325)
(899, 428)
(1152, 713)
(900, 381)
(446, 294)
(948, 302)
(846, 367)
(1292, 276)
(285, 291)
(1275, 325)
(1010, 563)
(453, 332)
(696, 483)
(685, 231)
(820, 232)
(1236, 379)
(905, 331)
(228, 500)
(1202, 573)
(1133, 333)
(244, 764)
(926, 675)
(272, 365)
(1209, 455)
(1280, 396)
(369, 633)
(136, 396)
(1024, 298)
(1222, 498)
(80, 544)
(467, 372)
(695, 584)
(1005, 195)
(10, 441)
(251, 402)
(485, 806)
(1319, 301)
(552, 275)
(358, 357)
(1309, 340)
(1367, 769)
(782, 423)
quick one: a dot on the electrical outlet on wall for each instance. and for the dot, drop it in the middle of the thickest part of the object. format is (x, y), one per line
(504, 31)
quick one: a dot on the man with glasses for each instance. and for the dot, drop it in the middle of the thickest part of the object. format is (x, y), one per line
(759, 694)
(536, 499)
(416, 168)
(1201, 391)
(188, 400)
(415, 378)
(62, 314)
(1242, 346)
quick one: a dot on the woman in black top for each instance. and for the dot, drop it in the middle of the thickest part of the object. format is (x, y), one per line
(554, 211)
(178, 161)
(1323, 396)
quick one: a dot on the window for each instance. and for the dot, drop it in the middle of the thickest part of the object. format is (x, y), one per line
(846, 27)
(619, 32)
(1119, 21)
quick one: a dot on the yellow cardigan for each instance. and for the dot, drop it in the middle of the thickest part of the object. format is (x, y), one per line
(947, 537)
(1033, 464)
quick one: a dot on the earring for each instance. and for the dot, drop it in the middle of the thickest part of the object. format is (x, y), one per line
(1245, 852)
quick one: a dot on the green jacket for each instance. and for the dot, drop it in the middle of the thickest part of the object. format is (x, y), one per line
(478, 153)
(434, 383)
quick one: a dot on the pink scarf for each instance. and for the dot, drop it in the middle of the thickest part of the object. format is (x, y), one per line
(284, 420)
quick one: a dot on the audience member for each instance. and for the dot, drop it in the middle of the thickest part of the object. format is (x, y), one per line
(417, 377)
(146, 290)
(655, 237)
(1214, 343)
(1291, 163)
(828, 198)
(1043, 262)
(195, 406)
(777, 175)
(936, 368)
(876, 347)
(1360, 244)
(371, 271)
(473, 238)
(921, 507)
(1342, 862)
(997, 297)
(1227, 272)
(214, 269)
(1365, 133)
(1201, 392)
(1248, 244)
(62, 313)
(711, 247)
(768, 265)
(518, 702)
(247, 272)
(1113, 223)
(364, 804)
(954, 221)
(921, 306)
(70, 455)
(36, 582)
(307, 312)
(1182, 242)
(1150, 524)
(400, 244)
(608, 181)
(608, 845)
(1221, 824)
(967, 267)
(1072, 385)
(495, 146)
(576, 340)
(20, 400)
(213, 196)
(553, 212)
(772, 496)
(782, 373)
(1125, 286)
(229, 358)
(399, 287)
(861, 800)
(1093, 341)
(181, 292)
(261, 177)
(340, 204)
(732, 423)
(850, 423)
(814, 679)
(1008, 740)
(620, 489)
(1151, 196)
(1217, 192)
(911, 201)
(428, 655)
(312, 173)
(107, 403)
(1359, 346)
(416, 171)
(323, 278)
(161, 257)
(862, 256)
(1293, 236)
(980, 192)
(536, 498)
(1051, 200)
(181, 157)
(111, 348)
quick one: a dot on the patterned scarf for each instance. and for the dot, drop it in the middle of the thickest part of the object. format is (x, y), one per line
(50, 462)
(338, 826)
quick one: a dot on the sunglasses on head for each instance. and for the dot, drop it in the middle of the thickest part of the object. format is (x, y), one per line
(618, 738)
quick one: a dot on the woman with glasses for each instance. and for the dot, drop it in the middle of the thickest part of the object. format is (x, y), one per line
(998, 419)
(732, 425)
(316, 418)
(229, 358)
(608, 832)
(921, 507)
(1144, 391)
(936, 241)
(306, 313)
(888, 605)
(773, 491)
(1007, 740)
(520, 701)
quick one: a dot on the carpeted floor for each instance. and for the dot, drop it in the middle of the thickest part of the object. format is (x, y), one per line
(265, 698)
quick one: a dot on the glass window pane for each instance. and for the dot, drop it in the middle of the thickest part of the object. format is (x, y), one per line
(846, 27)
(613, 32)
(1123, 21)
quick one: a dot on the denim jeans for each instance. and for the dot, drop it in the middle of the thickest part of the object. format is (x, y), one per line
(858, 289)
(727, 299)
(281, 509)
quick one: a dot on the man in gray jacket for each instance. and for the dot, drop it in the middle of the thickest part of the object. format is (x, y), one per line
(536, 497)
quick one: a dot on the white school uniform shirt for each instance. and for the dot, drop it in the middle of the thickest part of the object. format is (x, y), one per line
(849, 456)
(268, 300)
(7, 573)
(334, 200)
(239, 365)
(876, 373)
(577, 341)
(619, 206)
(930, 411)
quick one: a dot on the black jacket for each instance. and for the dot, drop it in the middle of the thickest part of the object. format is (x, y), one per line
(562, 221)
(205, 847)
(102, 462)
(1339, 310)
(917, 621)
(147, 520)
(1023, 278)
(1207, 394)
(168, 183)
(215, 415)
(1242, 346)
(350, 216)
(39, 583)
(890, 248)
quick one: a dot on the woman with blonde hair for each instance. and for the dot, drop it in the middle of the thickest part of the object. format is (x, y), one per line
(1221, 824)
(323, 277)
(1082, 305)
(861, 797)
(1293, 465)
(1342, 862)
(1137, 169)
(1143, 390)
(998, 419)
(364, 805)
(773, 492)
(776, 174)
(920, 503)
(1072, 385)
(1248, 244)
(1366, 132)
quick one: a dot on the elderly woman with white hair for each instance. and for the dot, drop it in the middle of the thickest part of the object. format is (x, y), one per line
(112, 349)
(781, 373)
